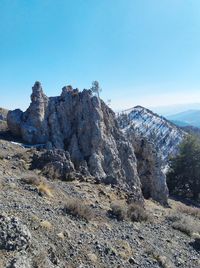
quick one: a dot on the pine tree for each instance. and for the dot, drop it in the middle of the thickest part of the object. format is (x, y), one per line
(183, 177)
(96, 88)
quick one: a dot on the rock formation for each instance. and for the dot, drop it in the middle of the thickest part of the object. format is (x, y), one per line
(154, 139)
(13, 234)
(149, 166)
(82, 125)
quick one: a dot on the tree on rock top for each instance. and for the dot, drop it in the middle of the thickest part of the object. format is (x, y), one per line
(96, 88)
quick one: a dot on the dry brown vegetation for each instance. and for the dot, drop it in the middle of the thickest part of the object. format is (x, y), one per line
(46, 225)
(185, 219)
(3, 126)
(186, 225)
(32, 180)
(137, 213)
(195, 212)
(163, 261)
(118, 211)
(133, 212)
(44, 188)
(76, 208)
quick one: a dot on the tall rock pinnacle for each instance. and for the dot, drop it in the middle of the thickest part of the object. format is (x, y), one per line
(83, 125)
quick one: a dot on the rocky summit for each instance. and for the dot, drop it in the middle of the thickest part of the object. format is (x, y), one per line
(82, 125)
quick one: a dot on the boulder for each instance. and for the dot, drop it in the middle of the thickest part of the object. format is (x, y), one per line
(13, 234)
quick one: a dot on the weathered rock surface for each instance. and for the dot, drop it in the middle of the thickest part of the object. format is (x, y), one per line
(149, 166)
(56, 164)
(13, 234)
(154, 139)
(19, 262)
(80, 123)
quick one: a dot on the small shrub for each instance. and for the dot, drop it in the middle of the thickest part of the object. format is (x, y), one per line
(133, 212)
(186, 225)
(46, 225)
(195, 212)
(163, 261)
(173, 217)
(32, 180)
(78, 209)
(137, 213)
(3, 126)
(118, 211)
(43, 188)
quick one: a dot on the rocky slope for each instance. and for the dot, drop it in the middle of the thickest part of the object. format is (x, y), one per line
(165, 136)
(37, 231)
(81, 125)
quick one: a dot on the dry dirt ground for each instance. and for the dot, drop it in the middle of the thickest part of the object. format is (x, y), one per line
(59, 239)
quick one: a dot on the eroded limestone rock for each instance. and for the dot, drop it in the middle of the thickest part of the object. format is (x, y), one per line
(83, 125)
(149, 166)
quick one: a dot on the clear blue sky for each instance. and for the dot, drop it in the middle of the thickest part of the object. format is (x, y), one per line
(141, 51)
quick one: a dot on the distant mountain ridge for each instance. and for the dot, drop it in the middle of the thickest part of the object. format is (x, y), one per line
(186, 118)
(165, 135)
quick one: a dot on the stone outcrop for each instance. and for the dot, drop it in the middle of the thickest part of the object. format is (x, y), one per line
(149, 166)
(155, 140)
(82, 125)
(20, 262)
(57, 164)
(13, 234)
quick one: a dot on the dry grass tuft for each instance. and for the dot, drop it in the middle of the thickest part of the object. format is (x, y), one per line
(133, 212)
(43, 188)
(163, 261)
(195, 212)
(46, 225)
(184, 227)
(137, 213)
(76, 208)
(32, 180)
(118, 211)
(186, 224)
(41, 185)
(3, 126)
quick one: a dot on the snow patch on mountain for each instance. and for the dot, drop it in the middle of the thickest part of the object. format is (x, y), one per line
(165, 136)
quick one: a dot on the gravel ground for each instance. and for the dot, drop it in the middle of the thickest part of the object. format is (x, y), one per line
(59, 239)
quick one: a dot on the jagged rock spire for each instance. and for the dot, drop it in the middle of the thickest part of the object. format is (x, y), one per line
(83, 125)
(37, 93)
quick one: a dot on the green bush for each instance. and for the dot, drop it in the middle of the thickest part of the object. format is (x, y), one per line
(183, 178)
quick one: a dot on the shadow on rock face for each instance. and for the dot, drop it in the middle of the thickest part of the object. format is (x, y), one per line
(196, 244)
